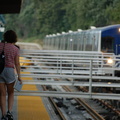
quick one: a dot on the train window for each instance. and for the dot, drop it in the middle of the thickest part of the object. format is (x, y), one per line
(84, 41)
(88, 43)
(93, 42)
(107, 44)
(58, 42)
(81, 41)
(96, 41)
(66, 42)
(49, 43)
(61, 42)
(53, 43)
(75, 41)
(78, 42)
(63, 47)
(70, 42)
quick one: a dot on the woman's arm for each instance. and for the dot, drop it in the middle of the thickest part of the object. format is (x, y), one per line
(17, 66)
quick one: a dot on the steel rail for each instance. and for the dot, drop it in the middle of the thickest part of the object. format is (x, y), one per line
(55, 106)
(92, 112)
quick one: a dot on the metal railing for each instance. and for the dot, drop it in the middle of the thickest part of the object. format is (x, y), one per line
(82, 69)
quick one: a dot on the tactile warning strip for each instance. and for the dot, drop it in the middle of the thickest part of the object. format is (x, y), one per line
(31, 107)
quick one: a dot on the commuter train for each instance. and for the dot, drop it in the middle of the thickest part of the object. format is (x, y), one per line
(102, 40)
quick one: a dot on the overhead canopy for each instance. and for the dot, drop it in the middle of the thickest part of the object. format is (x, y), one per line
(10, 6)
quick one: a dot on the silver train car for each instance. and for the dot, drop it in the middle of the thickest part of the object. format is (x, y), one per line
(102, 40)
(105, 39)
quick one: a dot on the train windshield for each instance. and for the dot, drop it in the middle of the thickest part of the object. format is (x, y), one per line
(107, 44)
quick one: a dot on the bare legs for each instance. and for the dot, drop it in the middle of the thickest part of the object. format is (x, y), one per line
(10, 92)
(3, 98)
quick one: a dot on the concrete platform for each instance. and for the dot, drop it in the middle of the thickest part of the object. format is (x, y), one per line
(29, 107)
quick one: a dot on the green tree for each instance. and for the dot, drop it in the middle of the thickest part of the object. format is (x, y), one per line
(41, 17)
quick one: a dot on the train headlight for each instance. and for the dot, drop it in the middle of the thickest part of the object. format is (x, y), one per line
(119, 30)
(110, 61)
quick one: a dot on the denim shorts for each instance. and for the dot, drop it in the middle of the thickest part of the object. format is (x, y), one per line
(7, 76)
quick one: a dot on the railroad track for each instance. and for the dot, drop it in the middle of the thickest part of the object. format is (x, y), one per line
(55, 107)
(92, 112)
(82, 103)
(79, 102)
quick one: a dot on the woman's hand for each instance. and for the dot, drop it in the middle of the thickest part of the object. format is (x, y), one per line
(20, 80)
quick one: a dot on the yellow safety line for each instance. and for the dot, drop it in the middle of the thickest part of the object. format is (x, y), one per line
(31, 107)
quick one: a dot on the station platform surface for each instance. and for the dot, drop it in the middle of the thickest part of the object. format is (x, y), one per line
(29, 107)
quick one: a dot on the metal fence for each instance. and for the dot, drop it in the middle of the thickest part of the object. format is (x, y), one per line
(84, 69)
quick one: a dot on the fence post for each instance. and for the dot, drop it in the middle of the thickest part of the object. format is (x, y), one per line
(61, 66)
(72, 71)
(72, 67)
(57, 63)
(90, 80)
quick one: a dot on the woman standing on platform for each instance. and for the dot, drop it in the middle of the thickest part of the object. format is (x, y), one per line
(7, 77)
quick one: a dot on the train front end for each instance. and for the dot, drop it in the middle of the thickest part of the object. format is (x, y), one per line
(110, 43)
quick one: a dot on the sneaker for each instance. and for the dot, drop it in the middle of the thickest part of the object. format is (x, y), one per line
(3, 118)
(9, 115)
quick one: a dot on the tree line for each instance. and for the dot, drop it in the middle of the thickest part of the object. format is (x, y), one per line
(41, 17)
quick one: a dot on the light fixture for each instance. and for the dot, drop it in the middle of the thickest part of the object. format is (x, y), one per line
(109, 61)
(119, 30)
